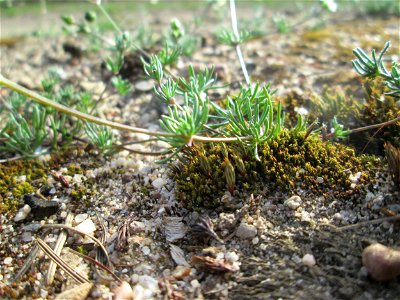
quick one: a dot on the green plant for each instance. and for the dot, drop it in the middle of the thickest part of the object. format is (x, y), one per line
(179, 38)
(101, 137)
(374, 67)
(26, 133)
(122, 86)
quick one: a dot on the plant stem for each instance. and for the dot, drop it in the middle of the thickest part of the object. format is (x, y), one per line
(390, 122)
(80, 115)
(237, 35)
(107, 15)
(75, 113)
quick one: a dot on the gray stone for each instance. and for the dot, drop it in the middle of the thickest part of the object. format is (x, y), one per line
(246, 231)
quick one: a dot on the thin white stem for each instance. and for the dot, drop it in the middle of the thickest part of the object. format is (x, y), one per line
(242, 64)
(234, 19)
(237, 35)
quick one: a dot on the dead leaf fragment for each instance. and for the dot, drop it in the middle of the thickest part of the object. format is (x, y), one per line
(178, 255)
(210, 264)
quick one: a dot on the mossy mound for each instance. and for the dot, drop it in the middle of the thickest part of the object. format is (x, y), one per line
(286, 163)
(21, 177)
(13, 187)
(376, 107)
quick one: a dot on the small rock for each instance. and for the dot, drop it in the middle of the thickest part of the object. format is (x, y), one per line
(86, 226)
(195, 283)
(146, 288)
(320, 180)
(26, 237)
(246, 231)
(293, 202)
(305, 216)
(123, 292)
(232, 257)
(22, 213)
(158, 183)
(146, 250)
(7, 261)
(144, 85)
(80, 218)
(308, 260)
(41, 208)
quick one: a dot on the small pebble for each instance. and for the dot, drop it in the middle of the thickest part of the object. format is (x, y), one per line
(308, 260)
(232, 257)
(146, 250)
(123, 291)
(7, 261)
(80, 218)
(144, 85)
(195, 283)
(26, 237)
(86, 226)
(293, 202)
(320, 180)
(246, 231)
(158, 183)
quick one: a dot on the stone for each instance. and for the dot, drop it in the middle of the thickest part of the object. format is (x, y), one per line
(22, 213)
(146, 250)
(7, 261)
(123, 292)
(308, 260)
(80, 218)
(293, 202)
(26, 237)
(87, 226)
(158, 183)
(146, 288)
(246, 231)
(144, 85)
(41, 208)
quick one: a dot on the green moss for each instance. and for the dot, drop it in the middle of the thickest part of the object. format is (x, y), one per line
(74, 169)
(11, 190)
(36, 173)
(82, 194)
(286, 163)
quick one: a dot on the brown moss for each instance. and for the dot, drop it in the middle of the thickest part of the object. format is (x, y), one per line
(286, 163)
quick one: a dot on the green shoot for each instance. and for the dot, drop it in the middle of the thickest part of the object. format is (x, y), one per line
(101, 137)
(122, 86)
(374, 67)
